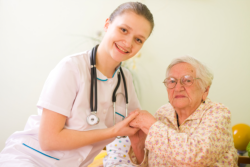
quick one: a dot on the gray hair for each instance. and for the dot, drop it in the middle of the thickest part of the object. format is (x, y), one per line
(202, 72)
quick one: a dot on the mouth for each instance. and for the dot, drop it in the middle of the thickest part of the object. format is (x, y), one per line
(180, 96)
(121, 50)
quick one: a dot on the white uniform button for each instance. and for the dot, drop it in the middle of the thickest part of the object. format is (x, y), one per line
(80, 160)
(104, 111)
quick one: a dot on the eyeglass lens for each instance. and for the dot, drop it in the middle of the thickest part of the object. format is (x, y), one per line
(185, 80)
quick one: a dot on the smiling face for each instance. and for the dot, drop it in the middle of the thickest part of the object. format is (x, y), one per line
(125, 35)
(185, 97)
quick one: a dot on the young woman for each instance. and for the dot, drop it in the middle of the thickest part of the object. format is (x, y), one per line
(62, 133)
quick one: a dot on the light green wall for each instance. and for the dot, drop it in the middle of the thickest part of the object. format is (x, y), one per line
(215, 32)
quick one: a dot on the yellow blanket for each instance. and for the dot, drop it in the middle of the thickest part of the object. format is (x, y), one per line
(98, 161)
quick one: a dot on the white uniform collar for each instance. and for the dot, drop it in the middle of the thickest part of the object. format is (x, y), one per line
(102, 77)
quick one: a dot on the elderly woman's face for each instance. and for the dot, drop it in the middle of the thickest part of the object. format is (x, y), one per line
(181, 96)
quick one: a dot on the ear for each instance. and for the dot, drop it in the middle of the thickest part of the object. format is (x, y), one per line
(106, 25)
(205, 94)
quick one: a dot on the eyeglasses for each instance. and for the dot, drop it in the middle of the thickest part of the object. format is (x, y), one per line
(186, 80)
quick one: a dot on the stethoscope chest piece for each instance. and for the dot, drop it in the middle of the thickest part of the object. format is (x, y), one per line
(92, 119)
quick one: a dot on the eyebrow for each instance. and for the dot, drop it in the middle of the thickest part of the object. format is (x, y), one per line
(181, 76)
(141, 36)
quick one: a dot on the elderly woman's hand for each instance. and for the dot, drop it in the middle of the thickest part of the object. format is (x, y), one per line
(143, 121)
(123, 128)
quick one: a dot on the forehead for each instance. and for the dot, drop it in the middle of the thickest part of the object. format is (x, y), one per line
(182, 69)
(138, 24)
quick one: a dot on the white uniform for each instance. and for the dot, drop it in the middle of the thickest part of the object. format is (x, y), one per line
(67, 91)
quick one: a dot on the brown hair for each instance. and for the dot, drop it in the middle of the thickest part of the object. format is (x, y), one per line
(136, 7)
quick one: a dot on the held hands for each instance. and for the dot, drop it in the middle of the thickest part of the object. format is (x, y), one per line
(123, 128)
(138, 119)
(143, 121)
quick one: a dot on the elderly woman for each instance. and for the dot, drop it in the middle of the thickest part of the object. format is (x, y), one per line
(190, 130)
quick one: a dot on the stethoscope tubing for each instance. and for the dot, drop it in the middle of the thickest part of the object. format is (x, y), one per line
(93, 90)
(125, 86)
(93, 80)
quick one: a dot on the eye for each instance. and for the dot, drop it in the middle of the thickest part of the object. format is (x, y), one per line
(124, 30)
(171, 81)
(187, 80)
(138, 40)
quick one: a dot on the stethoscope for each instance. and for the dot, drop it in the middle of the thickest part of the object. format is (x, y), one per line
(93, 119)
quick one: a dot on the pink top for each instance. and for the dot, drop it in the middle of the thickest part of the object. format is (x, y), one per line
(204, 139)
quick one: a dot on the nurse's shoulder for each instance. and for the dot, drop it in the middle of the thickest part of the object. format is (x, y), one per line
(77, 64)
(77, 60)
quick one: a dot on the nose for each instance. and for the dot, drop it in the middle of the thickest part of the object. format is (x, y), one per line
(128, 42)
(179, 86)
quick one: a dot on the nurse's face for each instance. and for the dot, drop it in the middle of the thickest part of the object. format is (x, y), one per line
(125, 35)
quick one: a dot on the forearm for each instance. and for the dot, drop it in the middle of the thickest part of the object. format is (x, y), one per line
(53, 135)
(139, 153)
(134, 159)
(68, 139)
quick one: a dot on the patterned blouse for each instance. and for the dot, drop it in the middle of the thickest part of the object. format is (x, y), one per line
(203, 139)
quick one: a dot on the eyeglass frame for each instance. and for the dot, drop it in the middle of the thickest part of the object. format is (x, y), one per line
(180, 81)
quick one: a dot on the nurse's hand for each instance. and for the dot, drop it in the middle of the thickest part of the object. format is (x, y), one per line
(123, 129)
(143, 121)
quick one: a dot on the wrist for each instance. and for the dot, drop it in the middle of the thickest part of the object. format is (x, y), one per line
(139, 154)
(138, 147)
(112, 132)
(146, 127)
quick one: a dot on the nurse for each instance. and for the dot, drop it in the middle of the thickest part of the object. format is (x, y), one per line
(60, 134)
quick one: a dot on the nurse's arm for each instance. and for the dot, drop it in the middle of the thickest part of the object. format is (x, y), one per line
(53, 135)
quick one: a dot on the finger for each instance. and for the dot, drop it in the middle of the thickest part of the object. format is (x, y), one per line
(132, 123)
(134, 130)
(134, 111)
(131, 117)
